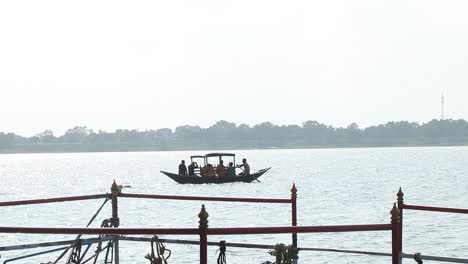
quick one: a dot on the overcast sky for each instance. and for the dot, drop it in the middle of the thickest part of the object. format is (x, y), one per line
(154, 64)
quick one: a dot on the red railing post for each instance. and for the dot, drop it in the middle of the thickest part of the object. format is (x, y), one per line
(203, 231)
(395, 221)
(294, 219)
(115, 221)
(400, 195)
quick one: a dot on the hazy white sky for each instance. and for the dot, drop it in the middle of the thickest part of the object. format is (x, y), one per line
(153, 64)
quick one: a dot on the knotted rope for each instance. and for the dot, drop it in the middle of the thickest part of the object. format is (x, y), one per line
(222, 252)
(417, 258)
(284, 254)
(75, 255)
(158, 257)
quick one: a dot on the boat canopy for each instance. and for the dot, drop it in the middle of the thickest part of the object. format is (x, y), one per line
(220, 154)
(198, 156)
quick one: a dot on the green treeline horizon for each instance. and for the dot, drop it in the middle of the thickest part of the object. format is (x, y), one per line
(227, 135)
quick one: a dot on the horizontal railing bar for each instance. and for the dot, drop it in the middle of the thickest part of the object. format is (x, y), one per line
(435, 209)
(346, 251)
(54, 200)
(203, 198)
(253, 246)
(56, 243)
(436, 258)
(195, 231)
(196, 242)
(100, 231)
(297, 229)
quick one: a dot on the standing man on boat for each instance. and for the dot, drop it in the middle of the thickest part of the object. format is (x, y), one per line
(182, 168)
(246, 167)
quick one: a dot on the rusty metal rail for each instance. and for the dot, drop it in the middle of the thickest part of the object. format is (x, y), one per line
(54, 200)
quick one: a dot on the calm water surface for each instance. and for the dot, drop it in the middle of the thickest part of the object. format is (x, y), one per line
(335, 186)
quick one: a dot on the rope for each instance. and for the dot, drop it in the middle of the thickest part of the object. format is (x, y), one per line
(105, 224)
(96, 254)
(159, 257)
(417, 258)
(89, 223)
(283, 254)
(222, 252)
(75, 255)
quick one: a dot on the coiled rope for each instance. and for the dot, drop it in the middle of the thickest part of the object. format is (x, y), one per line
(283, 254)
(158, 257)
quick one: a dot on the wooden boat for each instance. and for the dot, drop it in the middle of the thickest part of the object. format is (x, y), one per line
(204, 175)
(214, 179)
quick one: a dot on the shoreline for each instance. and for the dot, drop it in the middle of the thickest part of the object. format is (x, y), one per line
(230, 149)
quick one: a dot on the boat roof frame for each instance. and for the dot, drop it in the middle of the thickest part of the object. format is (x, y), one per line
(220, 154)
(198, 156)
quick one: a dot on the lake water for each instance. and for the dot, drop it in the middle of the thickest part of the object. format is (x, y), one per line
(335, 187)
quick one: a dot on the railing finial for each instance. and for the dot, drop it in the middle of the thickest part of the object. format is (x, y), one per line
(115, 189)
(203, 215)
(293, 189)
(400, 195)
(395, 214)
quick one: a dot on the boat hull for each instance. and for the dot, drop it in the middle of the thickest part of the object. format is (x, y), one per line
(185, 179)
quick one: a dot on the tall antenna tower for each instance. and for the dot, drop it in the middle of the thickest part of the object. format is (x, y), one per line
(442, 117)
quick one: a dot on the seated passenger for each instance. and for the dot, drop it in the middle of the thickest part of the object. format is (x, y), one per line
(231, 170)
(208, 170)
(221, 169)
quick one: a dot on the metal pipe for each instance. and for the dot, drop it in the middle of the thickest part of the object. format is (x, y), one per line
(436, 258)
(115, 221)
(54, 200)
(34, 254)
(395, 223)
(294, 221)
(202, 198)
(53, 244)
(253, 246)
(203, 232)
(194, 231)
(400, 203)
(435, 209)
(100, 231)
(297, 229)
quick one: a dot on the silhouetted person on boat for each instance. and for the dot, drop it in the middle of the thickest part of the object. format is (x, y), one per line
(231, 170)
(221, 169)
(245, 167)
(182, 168)
(191, 168)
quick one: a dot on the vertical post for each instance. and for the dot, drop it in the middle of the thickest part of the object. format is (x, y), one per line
(115, 221)
(400, 195)
(294, 220)
(203, 231)
(395, 221)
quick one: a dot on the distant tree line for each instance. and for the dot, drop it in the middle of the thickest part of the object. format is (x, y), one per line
(227, 135)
